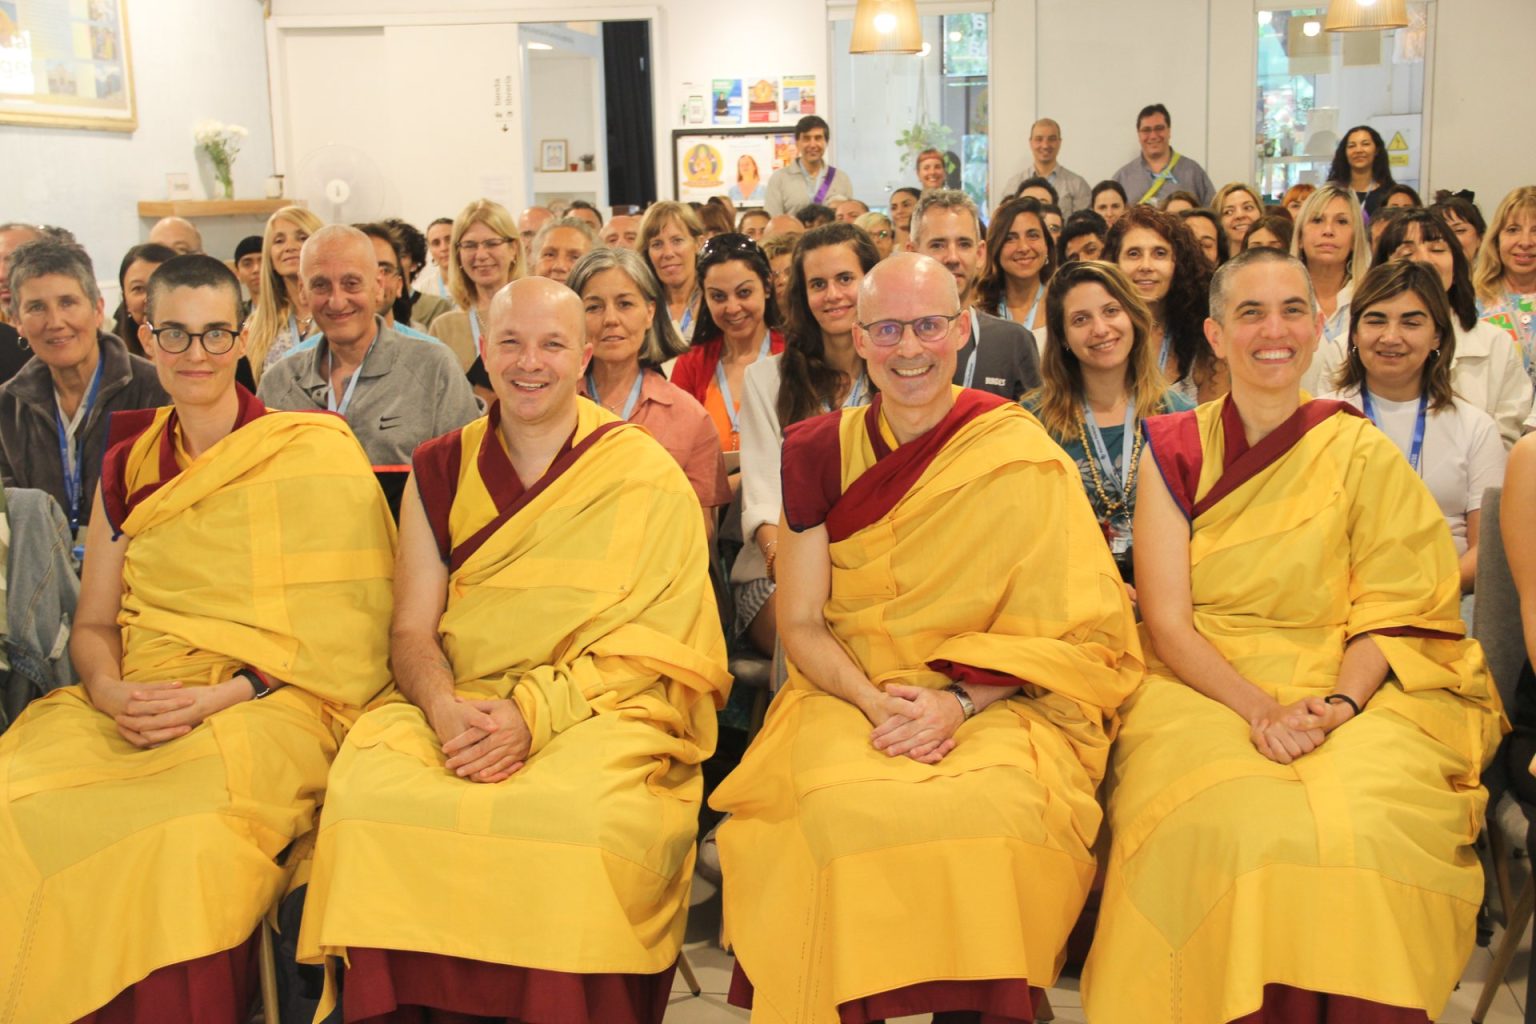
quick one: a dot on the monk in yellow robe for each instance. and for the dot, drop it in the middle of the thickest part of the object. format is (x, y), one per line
(913, 829)
(1295, 789)
(516, 841)
(233, 619)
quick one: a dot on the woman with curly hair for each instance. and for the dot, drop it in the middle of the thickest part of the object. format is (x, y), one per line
(1360, 164)
(1020, 261)
(1159, 254)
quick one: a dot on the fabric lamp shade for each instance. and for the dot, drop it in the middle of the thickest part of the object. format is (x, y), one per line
(886, 26)
(1366, 15)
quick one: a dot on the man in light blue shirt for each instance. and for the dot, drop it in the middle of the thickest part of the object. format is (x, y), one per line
(1072, 191)
(809, 178)
(1161, 170)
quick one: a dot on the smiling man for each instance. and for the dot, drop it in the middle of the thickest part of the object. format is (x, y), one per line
(517, 841)
(1161, 170)
(999, 356)
(1072, 189)
(559, 244)
(395, 392)
(913, 829)
(808, 178)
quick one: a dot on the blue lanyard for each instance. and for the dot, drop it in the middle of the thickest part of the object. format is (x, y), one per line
(687, 320)
(1162, 356)
(629, 404)
(1007, 314)
(74, 479)
(856, 394)
(1416, 447)
(1126, 444)
(970, 364)
(442, 284)
(346, 396)
(731, 409)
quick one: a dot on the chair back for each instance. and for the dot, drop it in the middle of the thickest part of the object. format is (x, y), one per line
(1496, 624)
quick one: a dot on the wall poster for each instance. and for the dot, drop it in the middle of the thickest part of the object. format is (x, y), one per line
(66, 63)
(734, 163)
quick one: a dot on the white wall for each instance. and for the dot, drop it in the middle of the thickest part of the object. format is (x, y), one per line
(192, 59)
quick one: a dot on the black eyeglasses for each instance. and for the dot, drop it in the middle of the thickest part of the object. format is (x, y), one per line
(175, 340)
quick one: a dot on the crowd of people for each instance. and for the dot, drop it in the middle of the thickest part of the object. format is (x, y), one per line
(1122, 534)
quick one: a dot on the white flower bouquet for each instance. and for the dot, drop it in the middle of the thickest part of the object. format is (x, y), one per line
(221, 142)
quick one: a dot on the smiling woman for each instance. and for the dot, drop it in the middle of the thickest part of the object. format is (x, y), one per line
(485, 252)
(281, 318)
(53, 413)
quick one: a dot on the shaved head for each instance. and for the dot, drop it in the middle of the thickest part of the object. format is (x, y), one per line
(905, 274)
(535, 349)
(337, 238)
(177, 233)
(538, 295)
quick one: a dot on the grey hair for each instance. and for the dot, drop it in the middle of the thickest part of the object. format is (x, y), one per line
(662, 342)
(43, 257)
(945, 199)
(335, 233)
(869, 220)
(16, 225)
(1221, 281)
(574, 223)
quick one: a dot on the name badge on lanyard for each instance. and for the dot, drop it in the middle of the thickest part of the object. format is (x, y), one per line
(1100, 451)
(1005, 313)
(1416, 446)
(71, 450)
(731, 409)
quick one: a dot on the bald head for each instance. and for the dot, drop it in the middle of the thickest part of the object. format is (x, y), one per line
(532, 297)
(177, 233)
(529, 222)
(907, 276)
(341, 273)
(783, 225)
(535, 350)
(333, 239)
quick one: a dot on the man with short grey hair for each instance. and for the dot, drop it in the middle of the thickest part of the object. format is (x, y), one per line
(394, 391)
(1072, 191)
(558, 245)
(1001, 356)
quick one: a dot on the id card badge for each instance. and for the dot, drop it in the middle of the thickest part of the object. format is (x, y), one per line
(1119, 540)
(77, 550)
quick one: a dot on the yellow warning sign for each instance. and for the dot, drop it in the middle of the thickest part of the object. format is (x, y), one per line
(1397, 150)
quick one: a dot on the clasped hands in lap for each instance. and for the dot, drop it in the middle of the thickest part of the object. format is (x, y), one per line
(1285, 732)
(149, 714)
(483, 740)
(913, 721)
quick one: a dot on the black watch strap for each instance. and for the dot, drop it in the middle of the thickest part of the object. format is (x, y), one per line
(259, 686)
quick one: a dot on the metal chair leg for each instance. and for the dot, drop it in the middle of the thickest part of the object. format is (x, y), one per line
(1043, 1009)
(269, 1004)
(689, 978)
(1514, 931)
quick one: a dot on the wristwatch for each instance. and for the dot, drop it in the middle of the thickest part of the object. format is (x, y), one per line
(258, 682)
(967, 706)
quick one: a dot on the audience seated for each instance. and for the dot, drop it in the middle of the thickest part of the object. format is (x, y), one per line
(1045, 146)
(1209, 234)
(1099, 382)
(392, 279)
(528, 224)
(1515, 504)
(780, 251)
(515, 838)
(714, 219)
(1331, 243)
(1082, 237)
(232, 622)
(1295, 197)
(808, 178)
(1053, 221)
(1178, 202)
(586, 213)
(54, 411)
(670, 236)
(558, 245)
(631, 337)
(1271, 231)
(37, 570)
(999, 357)
(414, 306)
(1272, 858)
(1505, 276)
(737, 326)
(934, 754)
(485, 252)
(1465, 219)
(621, 232)
(880, 230)
(1239, 207)
(1160, 167)
(1402, 342)
(814, 215)
(1361, 166)
(1109, 202)
(12, 236)
(281, 318)
(1038, 189)
(903, 203)
(132, 284)
(818, 371)
(1486, 369)
(753, 224)
(850, 210)
(434, 276)
(248, 267)
(1398, 196)
(1159, 254)
(784, 226)
(176, 233)
(395, 392)
(1019, 262)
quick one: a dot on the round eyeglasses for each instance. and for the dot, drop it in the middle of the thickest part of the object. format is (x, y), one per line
(175, 340)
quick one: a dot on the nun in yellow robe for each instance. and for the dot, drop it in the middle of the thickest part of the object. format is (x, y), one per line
(138, 862)
(558, 892)
(1321, 869)
(860, 885)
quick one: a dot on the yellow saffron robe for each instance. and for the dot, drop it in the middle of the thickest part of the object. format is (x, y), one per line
(850, 873)
(591, 608)
(272, 549)
(1350, 871)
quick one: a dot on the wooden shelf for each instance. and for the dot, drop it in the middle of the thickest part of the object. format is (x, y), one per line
(214, 207)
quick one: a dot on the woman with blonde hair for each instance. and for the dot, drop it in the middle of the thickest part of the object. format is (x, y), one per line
(1505, 274)
(484, 253)
(1332, 242)
(1239, 208)
(881, 231)
(281, 318)
(1099, 380)
(670, 236)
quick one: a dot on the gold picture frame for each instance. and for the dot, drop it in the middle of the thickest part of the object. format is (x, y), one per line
(68, 63)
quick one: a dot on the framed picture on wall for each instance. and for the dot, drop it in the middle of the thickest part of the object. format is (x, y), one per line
(552, 155)
(66, 64)
(734, 162)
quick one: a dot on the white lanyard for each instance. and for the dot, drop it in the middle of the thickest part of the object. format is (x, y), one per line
(1118, 478)
(970, 364)
(331, 404)
(1007, 314)
(629, 403)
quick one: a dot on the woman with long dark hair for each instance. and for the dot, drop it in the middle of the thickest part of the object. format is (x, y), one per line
(1020, 261)
(1161, 257)
(1360, 164)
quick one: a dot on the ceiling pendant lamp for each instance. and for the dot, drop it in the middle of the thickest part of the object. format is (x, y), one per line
(1366, 15)
(886, 26)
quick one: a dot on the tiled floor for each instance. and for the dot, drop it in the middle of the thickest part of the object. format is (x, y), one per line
(713, 967)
